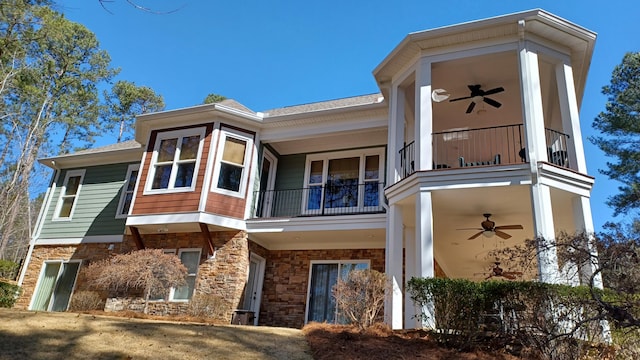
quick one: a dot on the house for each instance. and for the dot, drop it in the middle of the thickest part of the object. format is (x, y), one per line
(476, 126)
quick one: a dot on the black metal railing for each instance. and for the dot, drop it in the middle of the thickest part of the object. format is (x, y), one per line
(338, 197)
(496, 145)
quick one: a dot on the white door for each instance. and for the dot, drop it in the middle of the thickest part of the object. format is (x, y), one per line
(253, 288)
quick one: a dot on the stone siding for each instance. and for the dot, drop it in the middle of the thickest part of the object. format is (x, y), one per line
(284, 294)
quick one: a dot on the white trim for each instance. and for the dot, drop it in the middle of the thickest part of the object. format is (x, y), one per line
(226, 132)
(130, 169)
(93, 239)
(63, 189)
(325, 158)
(37, 287)
(211, 157)
(195, 275)
(182, 218)
(271, 181)
(259, 284)
(179, 134)
(339, 263)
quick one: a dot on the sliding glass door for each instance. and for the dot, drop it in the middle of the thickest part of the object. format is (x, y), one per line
(55, 286)
(322, 304)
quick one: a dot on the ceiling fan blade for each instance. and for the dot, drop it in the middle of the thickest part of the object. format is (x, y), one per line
(494, 91)
(479, 229)
(509, 227)
(502, 234)
(462, 98)
(491, 102)
(475, 236)
(471, 106)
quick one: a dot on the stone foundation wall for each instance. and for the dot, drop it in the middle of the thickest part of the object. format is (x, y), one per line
(286, 280)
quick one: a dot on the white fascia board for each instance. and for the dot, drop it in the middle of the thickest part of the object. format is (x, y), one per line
(328, 244)
(80, 240)
(565, 179)
(93, 158)
(320, 223)
(184, 218)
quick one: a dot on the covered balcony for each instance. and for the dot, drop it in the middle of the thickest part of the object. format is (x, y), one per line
(486, 146)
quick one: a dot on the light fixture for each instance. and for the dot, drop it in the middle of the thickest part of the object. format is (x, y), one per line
(111, 247)
(163, 229)
(488, 233)
(439, 95)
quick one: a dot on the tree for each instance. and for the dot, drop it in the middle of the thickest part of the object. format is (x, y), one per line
(620, 124)
(150, 271)
(360, 296)
(125, 101)
(213, 98)
(50, 69)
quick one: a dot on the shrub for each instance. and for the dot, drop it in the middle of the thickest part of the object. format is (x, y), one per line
(8, 294)
(85, 301)
(206, 305)
(8, 269)
(360, 296)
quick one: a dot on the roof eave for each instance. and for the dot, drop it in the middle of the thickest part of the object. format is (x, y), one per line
(93, 158)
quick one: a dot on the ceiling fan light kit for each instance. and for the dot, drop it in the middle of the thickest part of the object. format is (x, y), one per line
(488, 229)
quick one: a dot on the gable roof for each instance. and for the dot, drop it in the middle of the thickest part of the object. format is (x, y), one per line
(325, 105)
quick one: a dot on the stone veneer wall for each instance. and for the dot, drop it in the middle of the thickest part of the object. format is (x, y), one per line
(286, 280)
(223, 275)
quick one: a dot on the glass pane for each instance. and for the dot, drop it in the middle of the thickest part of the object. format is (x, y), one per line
(315, 198)
(185, 292)
(167, 150)
(161, 177)
(128, 197)
(64, 287)
(190, 259)
(67, 204)
(72, 185)
(315, 175)
(185, 175)
(132, 180)
(189, 149)
(234, 151)
(45, 287)
(230, 176)
(371, 194)
(371, 167)
(321, 303)
(341, 193)
(346, 169)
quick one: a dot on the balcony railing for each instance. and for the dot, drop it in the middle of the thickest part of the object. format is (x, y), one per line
(497, 145)
(339, 197)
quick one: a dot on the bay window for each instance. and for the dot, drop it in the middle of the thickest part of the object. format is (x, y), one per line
(231, 170)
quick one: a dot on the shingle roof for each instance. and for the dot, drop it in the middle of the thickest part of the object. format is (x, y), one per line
(235, 105)
(325, 105)
(125, 145)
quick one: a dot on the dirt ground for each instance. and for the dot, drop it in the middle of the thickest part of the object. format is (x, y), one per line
(33, 335)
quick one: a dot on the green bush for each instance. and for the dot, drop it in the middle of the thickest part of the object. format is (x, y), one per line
(8, 294)
(8, 269)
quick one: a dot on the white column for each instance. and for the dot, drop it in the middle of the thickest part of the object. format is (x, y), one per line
(544, 229)
(396, 134)
(570, 116)
(410, 321)
(584, 222)
(424, 247)
(393, 267)
(424, 116)
(532, 110)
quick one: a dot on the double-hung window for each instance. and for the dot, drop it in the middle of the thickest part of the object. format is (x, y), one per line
(175, 159)
(233, 159)
(342, 182)
(69, 195)
(127, 194)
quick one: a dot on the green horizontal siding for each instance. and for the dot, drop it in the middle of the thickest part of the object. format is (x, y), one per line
(96, 205)
(290, 176)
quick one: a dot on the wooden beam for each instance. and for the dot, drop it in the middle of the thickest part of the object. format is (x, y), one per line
(206, 235)
(136, 237)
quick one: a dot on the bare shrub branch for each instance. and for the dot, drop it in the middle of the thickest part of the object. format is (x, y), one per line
(360, 297)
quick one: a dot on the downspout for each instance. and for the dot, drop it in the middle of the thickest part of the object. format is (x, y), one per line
(40, 222)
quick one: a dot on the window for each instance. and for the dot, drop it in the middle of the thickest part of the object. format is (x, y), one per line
(69, 195)
(342, 181)
(175, 159)
(55, 286)
(191, 260)
(127, 194)
(322, 277)
(230, 174)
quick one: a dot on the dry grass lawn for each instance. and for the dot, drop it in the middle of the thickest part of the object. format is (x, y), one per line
(33, 335)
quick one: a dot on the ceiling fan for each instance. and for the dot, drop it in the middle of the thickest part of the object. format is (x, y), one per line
(477, 95)
(488, 229)
(497, 271)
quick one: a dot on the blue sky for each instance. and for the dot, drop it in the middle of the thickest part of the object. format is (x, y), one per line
(269, 54)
